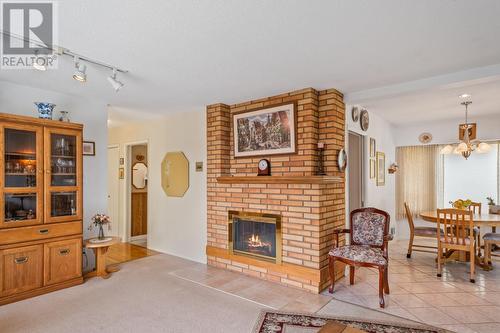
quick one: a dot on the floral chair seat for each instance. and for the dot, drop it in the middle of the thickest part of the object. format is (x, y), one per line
(360, 253)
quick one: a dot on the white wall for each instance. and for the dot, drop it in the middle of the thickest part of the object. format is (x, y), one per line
(175, 225)
(446, 131)
(381, 197)
(18, 99)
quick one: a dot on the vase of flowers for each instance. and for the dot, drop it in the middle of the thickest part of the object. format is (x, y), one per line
(100, 220)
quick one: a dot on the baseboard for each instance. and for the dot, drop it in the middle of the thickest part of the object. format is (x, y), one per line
(40, 291)
(138, 238)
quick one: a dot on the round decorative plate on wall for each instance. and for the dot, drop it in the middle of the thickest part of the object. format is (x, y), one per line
(425, 137)
(364, 120)
(342, 160)
(355, 114)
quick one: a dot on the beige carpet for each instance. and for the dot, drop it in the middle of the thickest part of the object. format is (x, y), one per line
(142, 297)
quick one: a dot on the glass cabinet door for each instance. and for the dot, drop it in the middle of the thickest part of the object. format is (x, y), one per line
(21, 172)
(63, 167)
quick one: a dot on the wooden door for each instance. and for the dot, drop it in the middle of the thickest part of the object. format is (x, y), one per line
(62, 260)
(21, 175)
(63, 174)
(139, 213)
(20, 269)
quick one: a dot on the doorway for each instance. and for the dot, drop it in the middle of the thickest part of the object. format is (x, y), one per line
(355, 171)
(138, 189)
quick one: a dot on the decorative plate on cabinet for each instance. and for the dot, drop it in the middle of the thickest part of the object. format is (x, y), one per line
(364, 120)
(355, 114)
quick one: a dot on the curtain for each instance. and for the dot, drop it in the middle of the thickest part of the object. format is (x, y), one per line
(419, 180)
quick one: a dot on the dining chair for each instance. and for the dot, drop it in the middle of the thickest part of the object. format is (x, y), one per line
(427, 232)
(475, 208)
(458, 235)
(490, 239)
(369, 235)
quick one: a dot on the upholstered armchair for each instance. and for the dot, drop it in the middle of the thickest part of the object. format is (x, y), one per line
(369, 235)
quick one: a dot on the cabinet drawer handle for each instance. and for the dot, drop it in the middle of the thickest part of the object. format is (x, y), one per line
(43, 231)
(21, 260)
(64, 252)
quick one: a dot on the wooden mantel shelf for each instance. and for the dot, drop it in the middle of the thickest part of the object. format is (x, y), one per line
(279, 179)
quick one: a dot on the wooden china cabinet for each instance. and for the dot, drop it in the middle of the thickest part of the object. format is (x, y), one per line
(40, 206)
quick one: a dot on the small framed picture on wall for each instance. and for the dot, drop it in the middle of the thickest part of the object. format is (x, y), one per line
(380, 169)
(88, 148)
(373, 169)
(373, 147)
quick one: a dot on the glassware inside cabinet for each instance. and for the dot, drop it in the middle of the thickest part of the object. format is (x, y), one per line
(63, 204)
(20, 158)
(63, 160)
(19, 207)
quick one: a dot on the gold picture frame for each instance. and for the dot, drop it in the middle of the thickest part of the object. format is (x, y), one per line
(380, 169)
(373, 147)
(373, 169)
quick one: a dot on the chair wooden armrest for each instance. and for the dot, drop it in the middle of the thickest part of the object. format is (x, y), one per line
(336, 233)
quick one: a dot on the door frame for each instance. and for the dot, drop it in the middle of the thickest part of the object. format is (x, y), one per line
(118, 211)
(362, 172)
(127, 192)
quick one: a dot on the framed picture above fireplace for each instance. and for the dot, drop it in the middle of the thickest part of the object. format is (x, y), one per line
(266, 131)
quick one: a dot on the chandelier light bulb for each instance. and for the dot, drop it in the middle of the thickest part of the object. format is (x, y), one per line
(448, 149)
(462, 147)
(483, 147)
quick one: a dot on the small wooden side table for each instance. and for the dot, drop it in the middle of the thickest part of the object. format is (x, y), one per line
(100, 250)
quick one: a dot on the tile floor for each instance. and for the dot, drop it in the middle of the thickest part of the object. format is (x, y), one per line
(417, 294)
(451, 302)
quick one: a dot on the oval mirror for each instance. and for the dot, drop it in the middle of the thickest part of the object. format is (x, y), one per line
(139, 175)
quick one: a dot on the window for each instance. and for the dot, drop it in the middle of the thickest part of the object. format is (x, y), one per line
(474, 179)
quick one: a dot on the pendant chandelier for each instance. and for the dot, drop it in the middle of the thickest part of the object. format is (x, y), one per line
(466, 146)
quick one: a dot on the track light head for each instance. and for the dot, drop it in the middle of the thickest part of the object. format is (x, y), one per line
(79, 74)
(117, 85)
(40, 62)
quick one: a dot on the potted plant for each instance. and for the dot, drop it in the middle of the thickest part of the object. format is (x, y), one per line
(493, 209)
(99, 220)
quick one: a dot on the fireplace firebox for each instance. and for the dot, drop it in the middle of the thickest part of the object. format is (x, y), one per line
(256, 235)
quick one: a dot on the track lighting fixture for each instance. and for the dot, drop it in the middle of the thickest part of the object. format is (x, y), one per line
(117, 85)
(40, 62)
(46, 54)
(80, 69)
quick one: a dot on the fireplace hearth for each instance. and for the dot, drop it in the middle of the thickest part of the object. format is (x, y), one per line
(256, 235)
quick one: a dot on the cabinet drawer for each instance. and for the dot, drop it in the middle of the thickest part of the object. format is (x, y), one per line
(24, 234)
(20, 269)
(62, 260)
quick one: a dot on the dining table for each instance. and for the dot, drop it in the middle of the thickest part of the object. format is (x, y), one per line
(480, 220)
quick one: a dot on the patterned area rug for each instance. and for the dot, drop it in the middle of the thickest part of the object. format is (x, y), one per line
(287, 322)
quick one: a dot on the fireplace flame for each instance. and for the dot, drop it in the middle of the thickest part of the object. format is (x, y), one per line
(256, 242)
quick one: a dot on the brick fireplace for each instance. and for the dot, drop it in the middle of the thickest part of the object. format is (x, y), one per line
(308, 207)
